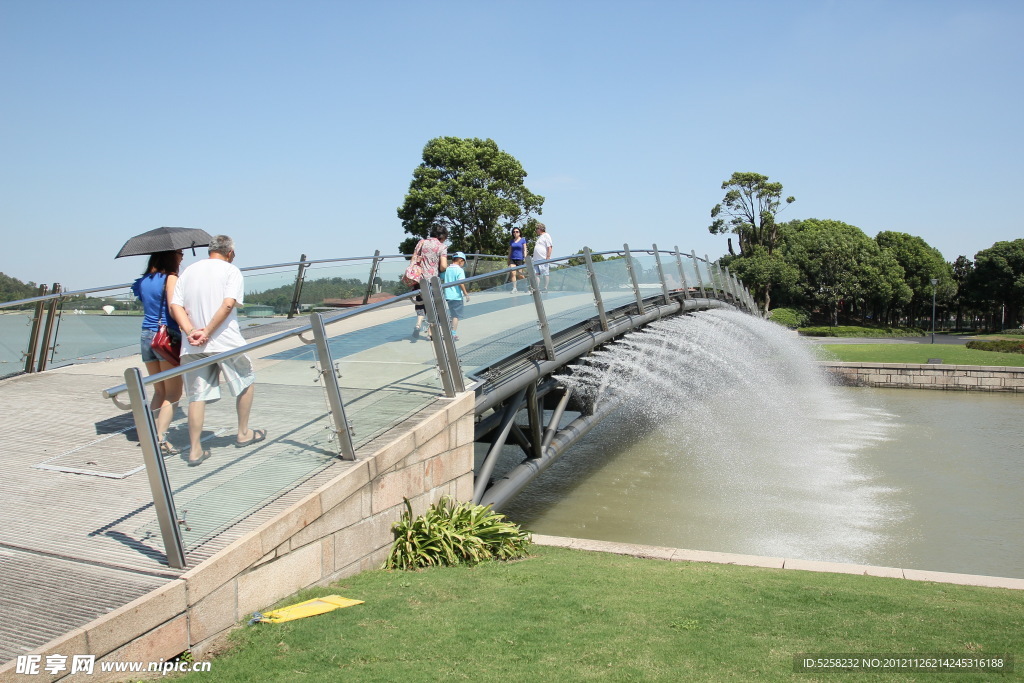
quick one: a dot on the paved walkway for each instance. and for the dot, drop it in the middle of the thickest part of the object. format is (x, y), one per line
(682, 555)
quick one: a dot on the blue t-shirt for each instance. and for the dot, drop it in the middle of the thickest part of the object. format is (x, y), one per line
(454, 274)
(517, 249)
(149, 289)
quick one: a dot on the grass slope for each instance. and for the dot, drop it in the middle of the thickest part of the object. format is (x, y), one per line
(573, 615)
(917, 353)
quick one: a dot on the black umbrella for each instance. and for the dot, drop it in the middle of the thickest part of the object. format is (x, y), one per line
(165, 239)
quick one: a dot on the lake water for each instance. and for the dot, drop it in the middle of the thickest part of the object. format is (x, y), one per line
(902, 478)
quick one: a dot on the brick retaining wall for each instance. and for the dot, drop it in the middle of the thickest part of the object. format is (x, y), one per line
(918, 376)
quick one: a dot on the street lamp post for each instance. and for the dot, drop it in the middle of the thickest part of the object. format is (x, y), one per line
(934, 282)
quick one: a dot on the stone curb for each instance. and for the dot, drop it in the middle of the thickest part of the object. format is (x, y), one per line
(682, 555)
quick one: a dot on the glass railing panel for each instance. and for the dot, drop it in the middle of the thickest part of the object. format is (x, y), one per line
(690, 271)
(496, 322)
(389, 277)
(15, 331)
(387, 372)
(96, 327)
(614, 282)
(328, 286)
(290, 405)
(705, 276)
(570, 297)
(647, 274)
(268, 295)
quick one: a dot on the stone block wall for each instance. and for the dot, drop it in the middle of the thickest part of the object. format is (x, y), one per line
(941, 377)
(339, 530)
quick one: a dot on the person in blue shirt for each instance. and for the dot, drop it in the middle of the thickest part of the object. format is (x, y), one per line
(155, 289)
(455, 297)
(516, 255)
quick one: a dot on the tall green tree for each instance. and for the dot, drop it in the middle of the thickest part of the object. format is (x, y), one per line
(749, 209)
(840, 268)
(921, 264)
(472, 188)
(961, 268)
(997, 281)
(12, 289)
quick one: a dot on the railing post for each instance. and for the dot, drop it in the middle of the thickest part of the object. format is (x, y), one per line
(330, 378)
(444, 345)
(156, 470)
(682, 274)
(700, 278)
(542, 316)
(633, 278)
(728, 283)
(373, 274)
(598, 300)
(476, 262)
(715, 287)
(661, 274)
(293, 310)
(33, 335)
(48, 328)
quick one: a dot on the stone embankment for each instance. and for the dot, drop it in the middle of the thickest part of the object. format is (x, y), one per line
(929, 376)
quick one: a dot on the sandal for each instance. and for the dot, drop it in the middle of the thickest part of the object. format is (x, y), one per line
(167, 449)
(201, 459)
(257, 436)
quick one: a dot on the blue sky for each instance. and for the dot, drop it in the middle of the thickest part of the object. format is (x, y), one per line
(295, 126)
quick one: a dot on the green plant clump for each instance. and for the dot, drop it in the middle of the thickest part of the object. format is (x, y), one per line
(788, 317)
(1014, 331)
(451, 533)
(856, 331)
(1000, 346)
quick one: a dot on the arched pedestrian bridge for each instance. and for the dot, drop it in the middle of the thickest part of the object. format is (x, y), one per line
(349, 397)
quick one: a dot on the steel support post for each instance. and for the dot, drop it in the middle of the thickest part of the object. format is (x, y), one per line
(51, 316)
(682, 274)
(556, 417)
(433, 317)
(542, 316)
(373, 275)
(700, 278)
(490, 460)
(33, 335)
(730, 285)
(713, 274)
(293, 310)
(598, 300)
(156, 470)
(661, 274)
(633, 278)
(441, 333)
(536, 418)
(330, 383)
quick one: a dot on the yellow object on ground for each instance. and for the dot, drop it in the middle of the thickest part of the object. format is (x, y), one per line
(300, 610)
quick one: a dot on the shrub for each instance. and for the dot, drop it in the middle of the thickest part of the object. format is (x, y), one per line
(451, 533)
(855, 331)
(1001, 346)
(1014, 330)
(788, 317)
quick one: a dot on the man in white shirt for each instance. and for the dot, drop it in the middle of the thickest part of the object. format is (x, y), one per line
(205, 298)
(542, 250)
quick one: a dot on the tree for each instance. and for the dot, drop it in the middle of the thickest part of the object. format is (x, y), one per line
(13, 289)
(760, 271)
(470, 187)
(750, 205)
(921, 264)
(840, 267)
(997, 281)
(962, 268)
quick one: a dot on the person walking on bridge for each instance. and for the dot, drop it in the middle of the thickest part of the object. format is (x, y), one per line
(542, 250)
(205, 300)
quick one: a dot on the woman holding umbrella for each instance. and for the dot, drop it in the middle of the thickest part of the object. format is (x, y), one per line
(155, 289)
(164, 246)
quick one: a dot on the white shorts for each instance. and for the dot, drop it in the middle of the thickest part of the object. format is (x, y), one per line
(204, 384)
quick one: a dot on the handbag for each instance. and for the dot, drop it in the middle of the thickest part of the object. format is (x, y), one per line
(414, 273)
(162, 343)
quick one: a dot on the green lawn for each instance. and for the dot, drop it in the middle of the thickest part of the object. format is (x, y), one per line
(567, 615)
(916, 353)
